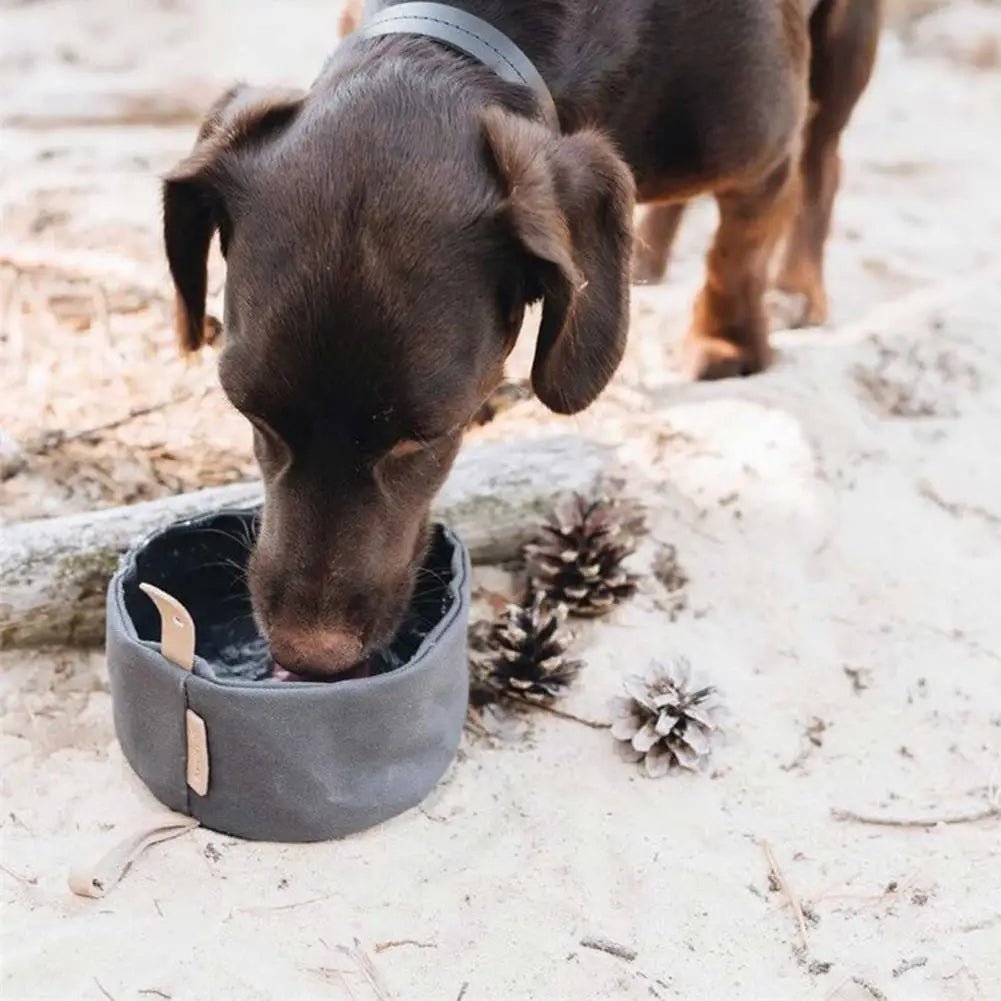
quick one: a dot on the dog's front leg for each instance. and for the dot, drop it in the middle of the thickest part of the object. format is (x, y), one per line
(654, 239)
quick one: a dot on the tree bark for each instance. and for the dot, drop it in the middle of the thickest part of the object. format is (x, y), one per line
(54, 572)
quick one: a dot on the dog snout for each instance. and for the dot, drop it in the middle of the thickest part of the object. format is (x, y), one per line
(320, 652)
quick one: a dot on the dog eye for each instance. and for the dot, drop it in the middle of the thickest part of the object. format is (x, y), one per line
(408, 446)
(411, 446)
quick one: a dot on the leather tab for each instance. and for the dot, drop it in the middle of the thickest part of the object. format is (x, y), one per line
(198, 753)
(177, 630)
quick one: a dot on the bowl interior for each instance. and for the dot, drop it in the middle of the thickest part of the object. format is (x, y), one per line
(203, 563)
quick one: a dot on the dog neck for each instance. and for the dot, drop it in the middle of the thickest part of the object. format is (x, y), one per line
(471, 35)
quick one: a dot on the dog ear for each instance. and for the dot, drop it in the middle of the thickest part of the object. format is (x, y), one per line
(194, 195)
(569, 200)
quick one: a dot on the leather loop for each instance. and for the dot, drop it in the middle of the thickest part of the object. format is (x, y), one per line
(469, 34)
(177, 630)
(99, 878)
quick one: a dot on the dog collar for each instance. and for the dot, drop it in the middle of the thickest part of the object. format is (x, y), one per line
(471, 35)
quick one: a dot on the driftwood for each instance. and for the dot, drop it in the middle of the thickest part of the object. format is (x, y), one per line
(53, 573)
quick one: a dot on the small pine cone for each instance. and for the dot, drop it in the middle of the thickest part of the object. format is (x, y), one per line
(577, 560)
(524, 654)
(665, 721)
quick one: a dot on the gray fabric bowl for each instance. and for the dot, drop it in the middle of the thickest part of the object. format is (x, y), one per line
(287, 761)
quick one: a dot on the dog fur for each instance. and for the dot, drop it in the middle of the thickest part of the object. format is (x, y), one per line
(385, 231)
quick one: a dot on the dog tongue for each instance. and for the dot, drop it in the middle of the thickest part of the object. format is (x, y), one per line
(280, 674)
(362, 670)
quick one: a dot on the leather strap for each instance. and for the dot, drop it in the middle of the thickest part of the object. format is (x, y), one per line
(177, 630)
(98, 878)
(468, 34)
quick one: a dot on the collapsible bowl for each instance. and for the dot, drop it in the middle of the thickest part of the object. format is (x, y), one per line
(214, 736)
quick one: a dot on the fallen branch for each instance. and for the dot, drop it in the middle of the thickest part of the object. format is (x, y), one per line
(54, 572)
(790, 894)
(926, 822)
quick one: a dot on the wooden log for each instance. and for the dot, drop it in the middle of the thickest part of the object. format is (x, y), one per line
(53, 573)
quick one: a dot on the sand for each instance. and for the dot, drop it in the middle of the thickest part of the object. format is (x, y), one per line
(838, 522)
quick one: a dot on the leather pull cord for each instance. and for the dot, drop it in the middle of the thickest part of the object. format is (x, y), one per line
(96, 879)
(177, 644)
(471, 35)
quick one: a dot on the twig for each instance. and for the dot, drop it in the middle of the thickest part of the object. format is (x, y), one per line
(56, 439)
(157, 992)
(396, 943)
(462, 991)
(956, 509)
(367, 969)
(956, 818)
(100, 987)
(909, 964)
(787, 889)
(286, 907)
(612, 948)
(553, 711)
(433, 819)
(874, 992)
(332, 976)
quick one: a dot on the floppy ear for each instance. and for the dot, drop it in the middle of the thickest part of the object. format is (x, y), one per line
(194, 195)
(569, 201)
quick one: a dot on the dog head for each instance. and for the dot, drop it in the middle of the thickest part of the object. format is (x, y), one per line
(380, 254)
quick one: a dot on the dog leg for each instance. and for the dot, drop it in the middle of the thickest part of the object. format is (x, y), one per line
(729, 335)
(654, 239)
(844, 36)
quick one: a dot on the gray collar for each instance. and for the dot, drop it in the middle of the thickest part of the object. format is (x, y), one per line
(469, 34)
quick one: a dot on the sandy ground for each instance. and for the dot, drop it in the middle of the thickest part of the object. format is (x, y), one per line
(838, 521)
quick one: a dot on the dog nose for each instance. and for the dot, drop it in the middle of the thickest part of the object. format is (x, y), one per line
(320, 652)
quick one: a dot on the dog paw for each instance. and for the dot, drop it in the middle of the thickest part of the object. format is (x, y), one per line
(708, 358)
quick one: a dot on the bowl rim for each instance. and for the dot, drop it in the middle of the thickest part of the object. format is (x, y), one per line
(128, 566)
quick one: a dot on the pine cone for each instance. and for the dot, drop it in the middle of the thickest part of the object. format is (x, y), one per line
(664, 721)
(524, 654)
(577, 561)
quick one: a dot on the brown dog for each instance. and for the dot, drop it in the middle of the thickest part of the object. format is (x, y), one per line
(385, 231)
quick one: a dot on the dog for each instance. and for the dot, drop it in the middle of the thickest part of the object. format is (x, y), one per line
(384, 232)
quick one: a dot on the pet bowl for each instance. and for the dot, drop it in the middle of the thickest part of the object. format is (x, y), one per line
(214, 736)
